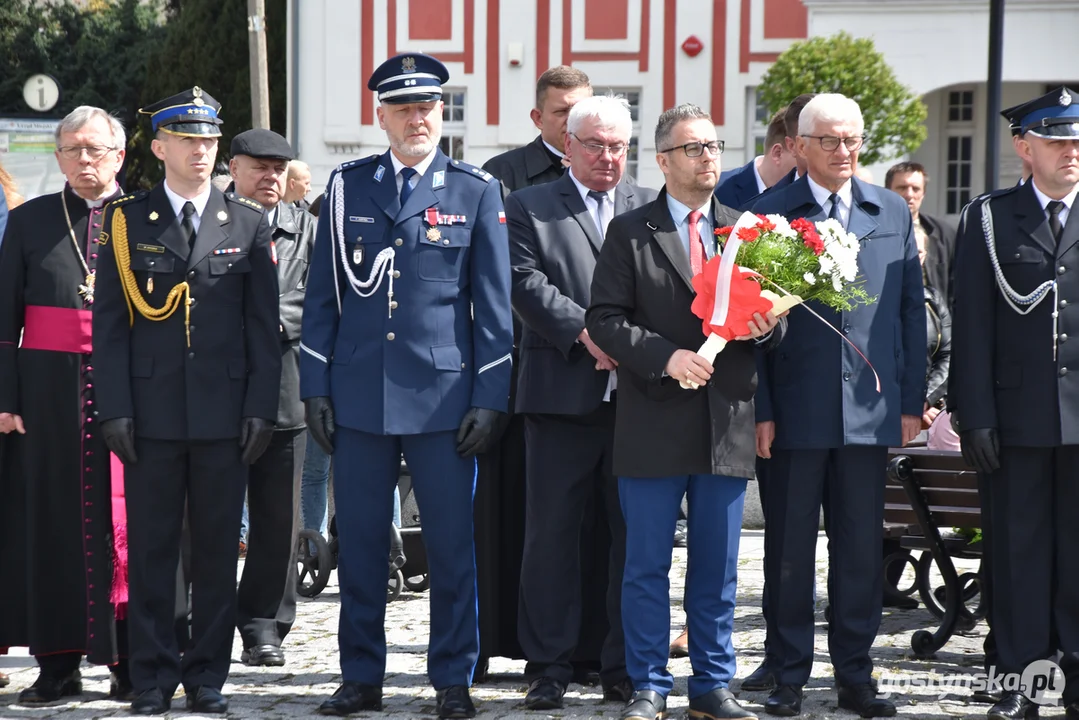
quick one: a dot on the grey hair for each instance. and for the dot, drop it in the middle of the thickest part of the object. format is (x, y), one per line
(80, 116)
(608, 111)
(670, 118)
(829, 109)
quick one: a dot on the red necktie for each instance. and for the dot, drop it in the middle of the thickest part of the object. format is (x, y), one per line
(696, 249)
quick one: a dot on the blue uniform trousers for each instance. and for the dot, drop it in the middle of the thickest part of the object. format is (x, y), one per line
(366, 467)
(650, 507)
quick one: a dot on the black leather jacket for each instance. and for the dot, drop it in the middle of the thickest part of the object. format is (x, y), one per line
(294, 241)
(938, 321)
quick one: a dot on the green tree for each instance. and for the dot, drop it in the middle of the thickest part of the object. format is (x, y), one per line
(206, 44)
(894, 115)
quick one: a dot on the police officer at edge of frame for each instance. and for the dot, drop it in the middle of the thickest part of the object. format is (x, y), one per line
(188, 369)
(406, 348)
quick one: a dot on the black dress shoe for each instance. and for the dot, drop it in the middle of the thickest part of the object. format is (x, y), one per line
(150, 702)
(352, 697)
(49, 689)
(785, 701)
(760, 679)
(206, 699)
(720, 703)
(645, 705)
(455, 702)
(906, 602)
(619, 692)
(270, 655)
(862, 699)
(1013, 706)
(120, 687)
(545, 693)
(586, 674)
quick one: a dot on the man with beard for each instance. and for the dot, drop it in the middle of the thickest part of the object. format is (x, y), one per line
(62, 546)
(188, 360)
(406, 348)
(267, 593)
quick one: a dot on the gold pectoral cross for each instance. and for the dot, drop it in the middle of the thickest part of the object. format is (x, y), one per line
(87, 289)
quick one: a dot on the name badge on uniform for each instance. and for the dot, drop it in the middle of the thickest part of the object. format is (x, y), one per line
(438, 179)
(150, 248)
(357, 255)
(360, 219)
(379, 173)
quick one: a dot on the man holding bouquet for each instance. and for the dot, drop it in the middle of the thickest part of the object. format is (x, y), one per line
(826, 417)
(669, 441)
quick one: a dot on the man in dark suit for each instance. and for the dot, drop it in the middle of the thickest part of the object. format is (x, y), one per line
(1016, 405)
(825, 426)
(566, 393)
(738, 187)
(188, 370)
(543, 159)
(936, 237)
(671, 442)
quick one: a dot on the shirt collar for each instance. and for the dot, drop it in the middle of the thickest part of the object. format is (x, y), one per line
(101, 201)
(1043, 199)
(680, 211)
(551, 148)
(822, 195)
(420, 167)
(585, 190)
(177, 202)
(761, 187)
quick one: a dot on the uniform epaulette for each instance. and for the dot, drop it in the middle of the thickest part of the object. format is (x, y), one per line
(130, 197)
(359, 162)
(472, 170)
(244, 201)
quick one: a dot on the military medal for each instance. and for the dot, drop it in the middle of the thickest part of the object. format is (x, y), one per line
(433, 234)
(357, 255)
(431, 216)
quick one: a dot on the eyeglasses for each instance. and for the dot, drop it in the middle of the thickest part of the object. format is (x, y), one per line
(596, 149)
(74, 152)
(696, 149)
(830, 143)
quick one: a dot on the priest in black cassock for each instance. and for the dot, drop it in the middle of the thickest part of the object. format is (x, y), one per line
(62, 522)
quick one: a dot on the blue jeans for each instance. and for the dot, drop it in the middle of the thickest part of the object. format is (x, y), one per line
(313, 491)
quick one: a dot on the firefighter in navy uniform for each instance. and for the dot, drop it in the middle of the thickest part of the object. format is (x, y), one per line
(406, 348)
(188, 367)
(1014, 387)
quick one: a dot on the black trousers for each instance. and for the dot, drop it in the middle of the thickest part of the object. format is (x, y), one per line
(211, 476)
(850, 483)
(568, 460)
(1034, 555)
(266, 599)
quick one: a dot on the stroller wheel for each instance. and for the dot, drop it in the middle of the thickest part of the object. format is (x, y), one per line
(313, 563)
(394, 585)
(419, 583)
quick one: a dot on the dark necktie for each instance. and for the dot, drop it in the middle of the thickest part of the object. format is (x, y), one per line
(1055, 226)
(407, 174)
(833, 214)
(696, 249)
(603, 217)
(188, 223)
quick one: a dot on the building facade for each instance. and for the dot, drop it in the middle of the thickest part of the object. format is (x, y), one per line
(659, 53)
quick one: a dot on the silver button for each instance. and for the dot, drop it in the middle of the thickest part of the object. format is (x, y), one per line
(393, 304)
(396, 274)
(1017, 256)
(390, 336)
(445, 242)
(1063, 371)
(398, 242)
(1063, 337)
(847, 376)
(1063, 303)
(462, 366)
(1061, 269)
(191, 274)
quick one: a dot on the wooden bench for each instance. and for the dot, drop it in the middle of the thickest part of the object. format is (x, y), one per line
(930, 491)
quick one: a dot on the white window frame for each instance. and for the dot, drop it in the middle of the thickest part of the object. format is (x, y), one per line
(633, 152)
(757, 119)
(454, 135)
(956, 194)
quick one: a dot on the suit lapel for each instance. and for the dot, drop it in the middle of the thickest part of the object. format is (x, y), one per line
(801, 203)
(1071, 232)
(165, 220)
(384, 190)
(861, 223)
(660, 222)
(624, 198)
(1033, 221)
(423, 195)
(575, 203)
(211, 228)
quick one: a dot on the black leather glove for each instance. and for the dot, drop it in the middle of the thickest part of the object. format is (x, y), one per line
(119, 434)
(255, 434)
(480, 430)
(981, 450)
(318, 413)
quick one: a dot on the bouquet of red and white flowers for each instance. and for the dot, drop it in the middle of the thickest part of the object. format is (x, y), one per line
(770, 264)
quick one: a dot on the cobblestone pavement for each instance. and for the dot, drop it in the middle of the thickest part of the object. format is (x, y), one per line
(312, 671)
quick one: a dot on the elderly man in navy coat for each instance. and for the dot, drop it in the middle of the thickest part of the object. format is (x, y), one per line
(826, 425)
(406, 348)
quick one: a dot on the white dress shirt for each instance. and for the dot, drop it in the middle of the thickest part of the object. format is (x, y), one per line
(822, 195)
(420, 168)
(199, 201)
(1068, 200)
(553, 149)
(761, 187)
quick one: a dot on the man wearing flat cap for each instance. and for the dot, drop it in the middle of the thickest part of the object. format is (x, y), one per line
(406, 349)
(1014, 390)
(267, 593)
(188, 370)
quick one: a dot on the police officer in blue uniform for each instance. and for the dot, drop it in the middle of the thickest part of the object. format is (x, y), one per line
(1015, 395)
(406, 348)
